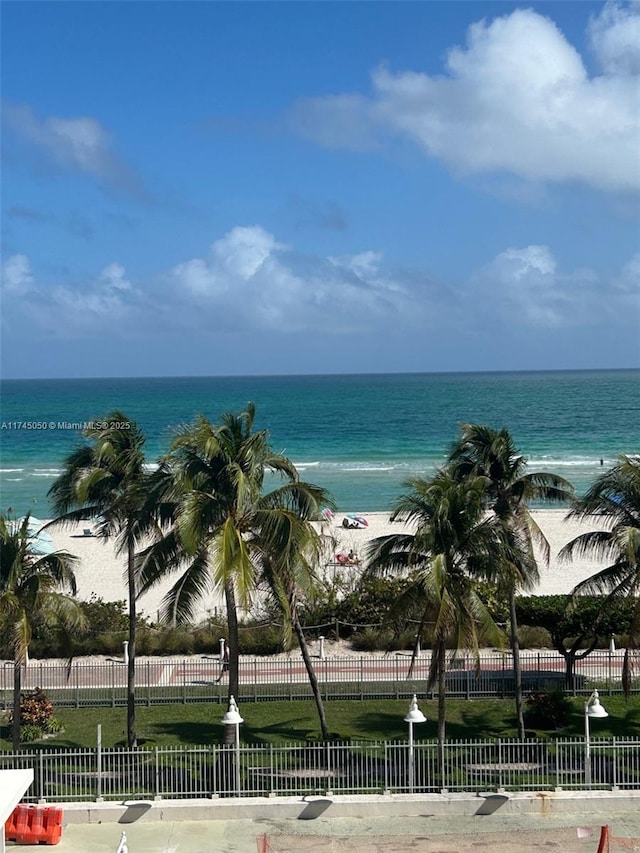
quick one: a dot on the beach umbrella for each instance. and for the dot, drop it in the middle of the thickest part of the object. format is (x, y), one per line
(41, 546)
(40, 542)
(327, 513)
(33, 527)
(359, 518)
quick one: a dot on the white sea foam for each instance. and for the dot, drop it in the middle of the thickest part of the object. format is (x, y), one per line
(365, 467)
(11, 470)
(572, 462)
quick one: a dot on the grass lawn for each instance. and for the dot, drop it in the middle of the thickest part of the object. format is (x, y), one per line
(286, 722)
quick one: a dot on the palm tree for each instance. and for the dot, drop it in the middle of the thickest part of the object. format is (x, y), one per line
(30, 584)
(292, 551)
(449, 548)
(227, 532)
(614, 499)
(490, 453)
(106, 480)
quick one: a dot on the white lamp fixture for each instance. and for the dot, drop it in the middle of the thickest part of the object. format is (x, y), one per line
(233, 718)
(414, 715)
(592, 709)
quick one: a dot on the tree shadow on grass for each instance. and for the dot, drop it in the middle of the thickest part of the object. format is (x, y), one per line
(184, 731)
(293, 731)
(213, 733)
(383, 726)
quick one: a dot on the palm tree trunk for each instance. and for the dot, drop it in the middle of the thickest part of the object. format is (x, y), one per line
(313, 679)
(17, 691)
(442, 689)
(517, 668)
(131, 663)
(234, 651)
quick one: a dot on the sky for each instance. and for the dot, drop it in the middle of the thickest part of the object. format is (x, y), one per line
(256, 188)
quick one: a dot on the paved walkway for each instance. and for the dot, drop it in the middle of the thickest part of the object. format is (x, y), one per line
(203, 670)
(425, 834)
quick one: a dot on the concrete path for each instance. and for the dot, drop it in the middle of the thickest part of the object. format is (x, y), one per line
(493, 834)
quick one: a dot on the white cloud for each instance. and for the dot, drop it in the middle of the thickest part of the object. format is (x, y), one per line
(17, 278)
(364, 264)
(79, 144)
(615, 38)
(113, 277)
(244, 250)
(251, 278)
(515, 99)
(75, 309)
(524, 287)
(251, 284)
(108, 299)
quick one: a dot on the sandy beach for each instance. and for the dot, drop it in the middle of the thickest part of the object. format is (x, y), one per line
(100, 571)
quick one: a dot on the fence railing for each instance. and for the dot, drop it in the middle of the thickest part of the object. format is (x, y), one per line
(341, 768)
(195, 679)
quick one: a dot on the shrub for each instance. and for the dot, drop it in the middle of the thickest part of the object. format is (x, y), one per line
(548, 709)
(36, 716)
(261, 640)
(372, 640)
(30, 733)
(534, 637)
(35, 709)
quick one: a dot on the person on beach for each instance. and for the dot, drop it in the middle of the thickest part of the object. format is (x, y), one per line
(225, 664)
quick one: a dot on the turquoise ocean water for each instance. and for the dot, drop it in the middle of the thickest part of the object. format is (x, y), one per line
(358, 436)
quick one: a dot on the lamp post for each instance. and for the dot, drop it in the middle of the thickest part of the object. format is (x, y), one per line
(612, 650)
(592, 708)
(233, 718)
(414, 715)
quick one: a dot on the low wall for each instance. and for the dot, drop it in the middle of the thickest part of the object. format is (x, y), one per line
(547, 803)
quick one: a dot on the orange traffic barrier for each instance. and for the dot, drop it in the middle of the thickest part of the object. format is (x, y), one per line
(52, 825)
(34, 825)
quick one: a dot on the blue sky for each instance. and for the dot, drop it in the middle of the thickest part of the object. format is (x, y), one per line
(204, 188)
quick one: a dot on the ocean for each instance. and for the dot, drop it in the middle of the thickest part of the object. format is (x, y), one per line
(358, 436)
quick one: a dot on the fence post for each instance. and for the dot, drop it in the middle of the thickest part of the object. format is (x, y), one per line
(255, 680)
(157, 774)
(184, 683)
(77, 686)
(387, 786)
(41, 798)
(272, 778)
(99, 764)
(326, 681)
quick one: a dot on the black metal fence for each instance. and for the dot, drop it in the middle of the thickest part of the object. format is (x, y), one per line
(197, 679)
(341, 768)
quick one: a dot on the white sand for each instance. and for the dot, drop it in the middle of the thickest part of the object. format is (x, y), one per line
(101, 572)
